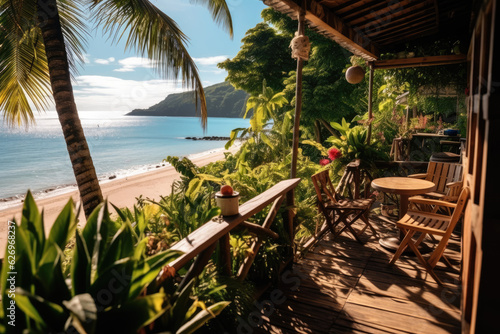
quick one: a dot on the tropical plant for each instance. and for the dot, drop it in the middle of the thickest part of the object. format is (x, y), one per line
(109, 277)
(350, 145)
(265, 107)
(42, 42)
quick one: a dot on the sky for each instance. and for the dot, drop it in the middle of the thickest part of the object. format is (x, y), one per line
(114, 80)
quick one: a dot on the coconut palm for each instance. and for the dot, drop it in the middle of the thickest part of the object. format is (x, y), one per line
(41, 43)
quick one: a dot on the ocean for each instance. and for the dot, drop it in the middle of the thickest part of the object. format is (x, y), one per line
(36, 158)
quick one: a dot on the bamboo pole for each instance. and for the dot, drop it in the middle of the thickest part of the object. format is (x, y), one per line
(370, 104)
(290, 198)
(298, 102)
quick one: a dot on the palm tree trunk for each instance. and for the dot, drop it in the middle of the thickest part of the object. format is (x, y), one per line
(62, 90)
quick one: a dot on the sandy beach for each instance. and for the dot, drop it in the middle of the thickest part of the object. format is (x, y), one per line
(121, 192)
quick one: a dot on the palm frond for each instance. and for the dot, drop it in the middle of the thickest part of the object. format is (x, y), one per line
(24, 72)
(154, 35)
(220, 13)
(74, 30)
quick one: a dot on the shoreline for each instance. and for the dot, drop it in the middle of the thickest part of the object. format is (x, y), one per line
(122, 192)
(61, 189)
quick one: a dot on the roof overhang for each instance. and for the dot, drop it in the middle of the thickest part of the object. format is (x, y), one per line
(368, 28)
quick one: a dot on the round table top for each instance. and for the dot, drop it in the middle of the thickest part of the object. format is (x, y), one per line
(403, 185)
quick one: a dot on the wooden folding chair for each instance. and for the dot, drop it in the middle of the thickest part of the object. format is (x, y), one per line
(444, 175)
(433, 224)
(340, 211)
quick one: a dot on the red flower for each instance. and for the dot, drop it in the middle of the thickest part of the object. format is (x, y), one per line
(334, 153)
(324, 162)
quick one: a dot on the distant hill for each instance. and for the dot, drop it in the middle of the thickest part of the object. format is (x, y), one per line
(222, 101)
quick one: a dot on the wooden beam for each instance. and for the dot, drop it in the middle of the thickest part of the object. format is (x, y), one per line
(419, 61)
(323, 19)
(259, 230)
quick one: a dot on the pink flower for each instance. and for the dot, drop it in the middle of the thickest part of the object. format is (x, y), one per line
(334, 153)
(324, 162)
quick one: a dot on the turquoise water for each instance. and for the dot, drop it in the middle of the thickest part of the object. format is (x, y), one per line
(120, 145)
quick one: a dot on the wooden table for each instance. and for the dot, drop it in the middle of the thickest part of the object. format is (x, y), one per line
(404, 187)
(433, 136)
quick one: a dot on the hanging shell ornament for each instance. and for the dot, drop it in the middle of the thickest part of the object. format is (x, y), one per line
(300, 47)
(354, 74)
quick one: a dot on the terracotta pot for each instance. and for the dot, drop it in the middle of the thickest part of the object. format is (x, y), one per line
(228, 204)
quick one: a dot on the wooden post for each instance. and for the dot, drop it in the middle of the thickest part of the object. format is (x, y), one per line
(290, 201)
(298, 102)
(370, 104)
(225, 254)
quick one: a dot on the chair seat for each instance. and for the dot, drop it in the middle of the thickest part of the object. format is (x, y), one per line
(425, 222)
(445, 157)
(353, 204)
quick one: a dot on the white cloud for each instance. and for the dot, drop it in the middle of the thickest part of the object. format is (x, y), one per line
(131, 63)
(94, 92)
(105, 61)
(210, 61)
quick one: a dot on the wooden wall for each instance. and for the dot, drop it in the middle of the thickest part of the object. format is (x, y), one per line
(481, 230)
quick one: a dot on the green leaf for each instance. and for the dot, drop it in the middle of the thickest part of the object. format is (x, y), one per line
(194, 188)
(91, 231)
(133, 315)
(202, 317)
(83, 312)
(42, 311)
(210, 214)
(80, 266)
(320, 147)
(64, 226)
(121, 246)
(146, 271)
(266, 140)
(111, 286)
(32, 223)
(49, 279)
(121, 213)
(181, 304)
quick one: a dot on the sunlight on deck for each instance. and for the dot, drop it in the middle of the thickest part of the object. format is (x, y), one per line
(345, 287)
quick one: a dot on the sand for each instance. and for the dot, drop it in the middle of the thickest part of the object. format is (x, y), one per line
(120, 192)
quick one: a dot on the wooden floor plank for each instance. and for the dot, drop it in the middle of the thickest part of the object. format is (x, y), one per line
(343, 286)
(398, 322)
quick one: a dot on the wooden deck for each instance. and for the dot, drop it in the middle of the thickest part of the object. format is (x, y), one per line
(346, 287)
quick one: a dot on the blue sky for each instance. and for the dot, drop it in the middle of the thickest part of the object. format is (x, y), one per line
(114, 80)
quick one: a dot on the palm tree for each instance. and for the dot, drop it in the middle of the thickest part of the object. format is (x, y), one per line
(42, 41)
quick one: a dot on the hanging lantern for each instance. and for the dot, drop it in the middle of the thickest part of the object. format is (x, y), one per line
(354, 74)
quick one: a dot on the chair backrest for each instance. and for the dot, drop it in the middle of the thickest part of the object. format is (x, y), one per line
(442, 173)
(324, 187)
(459, 209)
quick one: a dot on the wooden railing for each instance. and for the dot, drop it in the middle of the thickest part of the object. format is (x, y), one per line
(201, 243)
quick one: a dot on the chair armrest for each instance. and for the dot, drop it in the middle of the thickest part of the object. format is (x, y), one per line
(421, 200)
(454, 184)
(418, 176)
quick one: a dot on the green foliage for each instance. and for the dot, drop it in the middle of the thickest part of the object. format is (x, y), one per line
(264, 55)
(105, 253)
(110, 277)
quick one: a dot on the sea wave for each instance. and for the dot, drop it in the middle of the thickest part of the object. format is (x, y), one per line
(53, 191)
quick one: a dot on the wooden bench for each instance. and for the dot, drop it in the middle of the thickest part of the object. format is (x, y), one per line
(202, 242)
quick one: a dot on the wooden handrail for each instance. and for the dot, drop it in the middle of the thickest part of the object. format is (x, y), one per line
(204, 238)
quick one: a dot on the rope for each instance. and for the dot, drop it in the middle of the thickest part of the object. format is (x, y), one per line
(300, 47)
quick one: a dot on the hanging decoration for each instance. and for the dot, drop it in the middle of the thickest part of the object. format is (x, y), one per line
(354, 74)
(300, 47)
